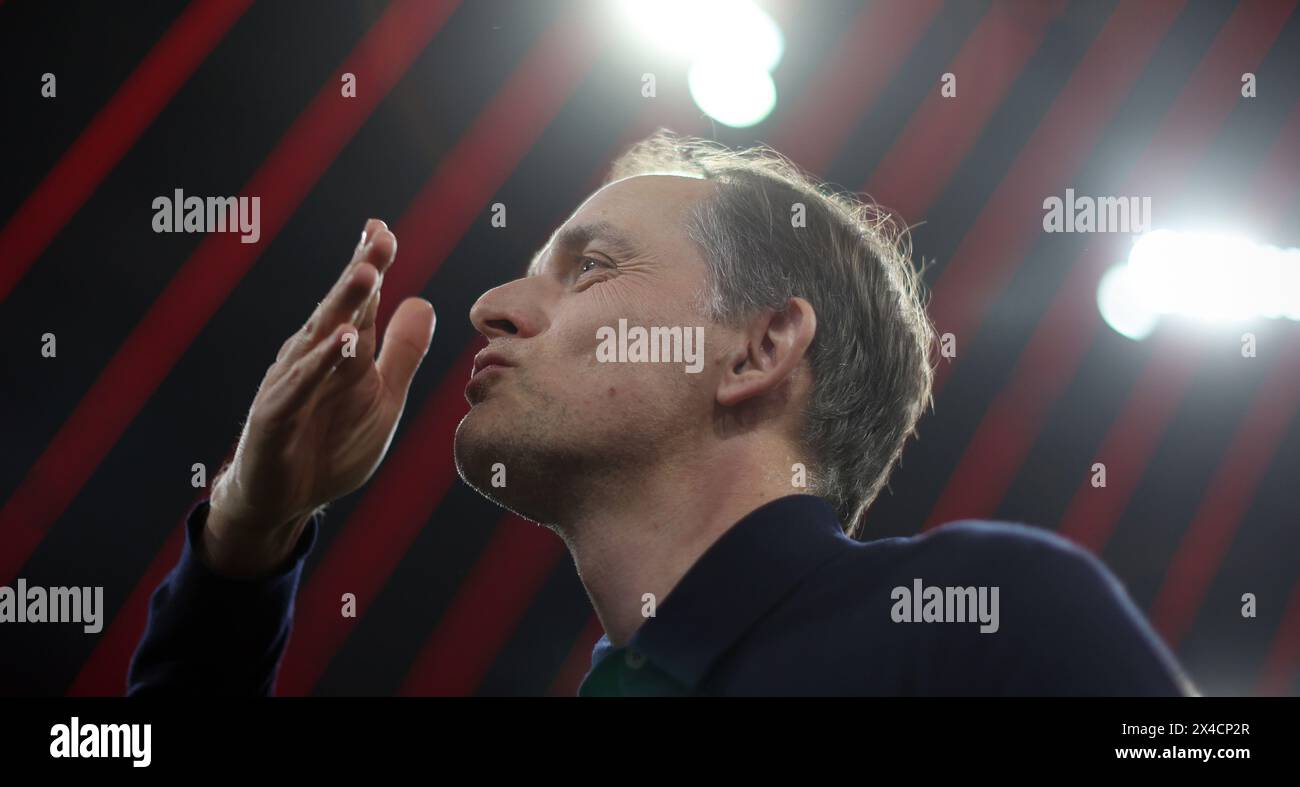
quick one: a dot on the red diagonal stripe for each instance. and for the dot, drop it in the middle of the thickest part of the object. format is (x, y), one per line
(1011, 219)
(1226, 499)
(405, 492)
(206, 279)
(941, 132)
(487, 607)
(1066, 331)
(1279, 666)
(569, 677)
(103, 674)
(851, 79)
(1131, 441)
(112, 132)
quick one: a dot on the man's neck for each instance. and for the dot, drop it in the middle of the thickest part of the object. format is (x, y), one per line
(640, 537)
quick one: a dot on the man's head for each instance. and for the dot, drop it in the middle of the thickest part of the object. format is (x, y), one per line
(814, 336)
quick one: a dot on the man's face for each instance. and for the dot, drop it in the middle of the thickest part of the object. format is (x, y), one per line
(556, 420)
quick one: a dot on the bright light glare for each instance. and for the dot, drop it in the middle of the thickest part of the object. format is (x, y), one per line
(736, 31)
(732, 47)
(736, 95)
(1215, 278)
(1120, 302)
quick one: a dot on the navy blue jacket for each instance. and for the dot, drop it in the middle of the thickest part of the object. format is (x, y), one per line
(783, 604)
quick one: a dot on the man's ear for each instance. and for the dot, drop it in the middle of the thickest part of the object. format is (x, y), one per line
(775, 344)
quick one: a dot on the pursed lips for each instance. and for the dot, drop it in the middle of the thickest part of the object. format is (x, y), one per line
(486, 364)
(487, 359)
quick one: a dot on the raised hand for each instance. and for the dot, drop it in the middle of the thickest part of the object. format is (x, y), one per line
(323, 416)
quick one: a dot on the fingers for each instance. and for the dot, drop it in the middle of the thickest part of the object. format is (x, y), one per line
(370, 310)
(382, 245)
(340, 305)
(355, 367)
(348, 298)
(343, 302)
(371, 240)
(405, 342)
(376, 253)
(292, 391)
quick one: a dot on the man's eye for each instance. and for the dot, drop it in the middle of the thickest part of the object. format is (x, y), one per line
(588, 263)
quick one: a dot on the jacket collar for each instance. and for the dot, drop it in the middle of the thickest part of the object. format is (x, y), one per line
(737, 580)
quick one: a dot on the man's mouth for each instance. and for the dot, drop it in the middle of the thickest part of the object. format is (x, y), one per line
(489, 359)
(488, 365)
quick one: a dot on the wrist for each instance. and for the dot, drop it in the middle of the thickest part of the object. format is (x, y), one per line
(245, 548)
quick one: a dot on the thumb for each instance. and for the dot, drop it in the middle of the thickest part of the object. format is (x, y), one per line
(406, 340)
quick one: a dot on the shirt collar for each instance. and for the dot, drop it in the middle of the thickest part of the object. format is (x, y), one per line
(732, 585)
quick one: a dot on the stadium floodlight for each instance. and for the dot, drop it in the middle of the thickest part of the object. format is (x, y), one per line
(1213, 278)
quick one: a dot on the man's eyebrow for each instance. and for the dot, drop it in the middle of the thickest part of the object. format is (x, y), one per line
(619, 241)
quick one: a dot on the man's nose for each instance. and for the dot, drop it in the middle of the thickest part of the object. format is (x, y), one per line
(512, 309)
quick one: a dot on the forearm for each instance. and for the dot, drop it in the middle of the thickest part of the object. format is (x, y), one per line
(213, 634)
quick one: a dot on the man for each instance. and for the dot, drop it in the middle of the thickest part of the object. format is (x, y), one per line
(702, 382)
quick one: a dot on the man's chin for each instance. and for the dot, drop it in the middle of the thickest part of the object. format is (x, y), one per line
(474, 456)
(494, 469)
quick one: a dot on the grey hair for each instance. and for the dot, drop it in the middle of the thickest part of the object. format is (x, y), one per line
(871, 356)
